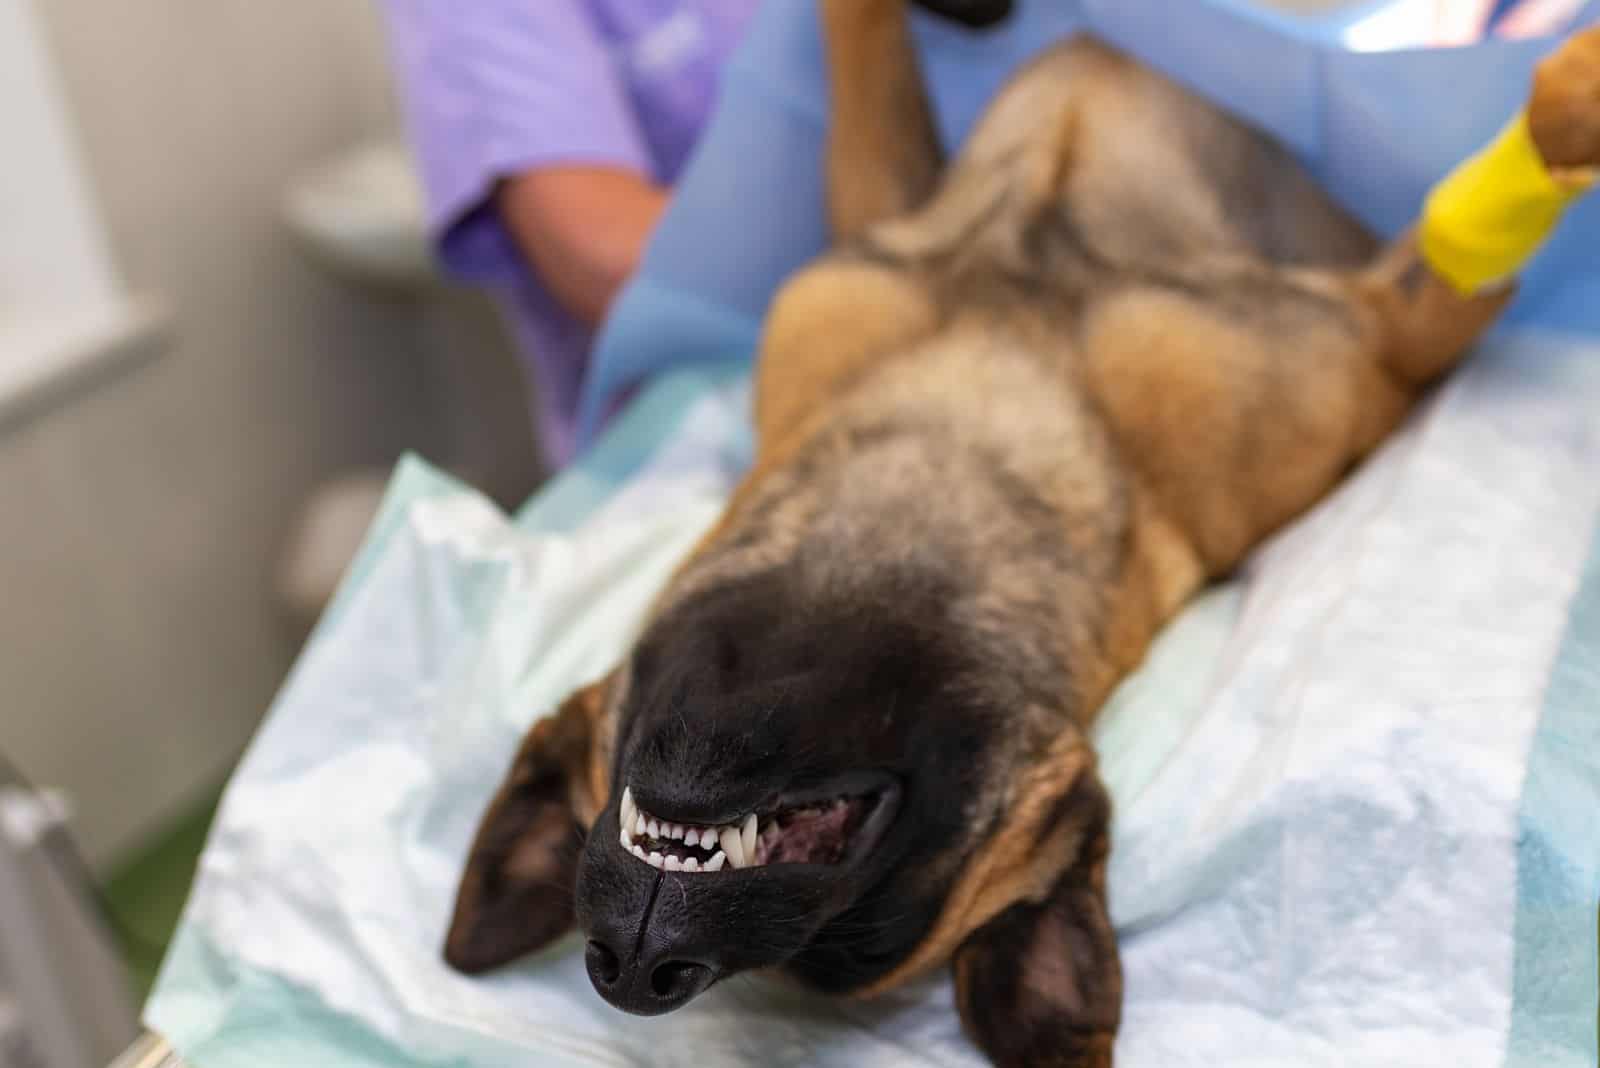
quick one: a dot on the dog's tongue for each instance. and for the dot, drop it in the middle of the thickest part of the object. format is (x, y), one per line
(815, 835)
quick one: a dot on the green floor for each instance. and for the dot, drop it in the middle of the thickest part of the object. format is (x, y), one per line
(146, 892)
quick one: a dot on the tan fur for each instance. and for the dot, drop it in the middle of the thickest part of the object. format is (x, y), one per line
(1566, 98)
(893, 119)
(590, 779)
(1021, 864)
(807, 360)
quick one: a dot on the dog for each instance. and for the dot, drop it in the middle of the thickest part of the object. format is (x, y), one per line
(1032, 401)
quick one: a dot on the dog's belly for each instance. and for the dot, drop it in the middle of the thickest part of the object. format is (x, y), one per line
(1095, 220)
(1081, 371)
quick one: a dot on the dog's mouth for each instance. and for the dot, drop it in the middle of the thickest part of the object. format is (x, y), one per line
(814, 830)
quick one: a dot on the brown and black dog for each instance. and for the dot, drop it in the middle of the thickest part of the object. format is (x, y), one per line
(1032, 401)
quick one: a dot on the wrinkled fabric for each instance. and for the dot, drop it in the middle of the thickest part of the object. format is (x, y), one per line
(1328, 846)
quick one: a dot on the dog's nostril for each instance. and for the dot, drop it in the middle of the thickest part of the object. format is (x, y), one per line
(676, 978)
(603, 963)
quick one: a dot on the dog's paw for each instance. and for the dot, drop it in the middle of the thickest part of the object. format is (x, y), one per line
(977, 14)
(1564, 111)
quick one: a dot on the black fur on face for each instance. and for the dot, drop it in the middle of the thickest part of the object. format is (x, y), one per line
(758, 695)
(853, 687)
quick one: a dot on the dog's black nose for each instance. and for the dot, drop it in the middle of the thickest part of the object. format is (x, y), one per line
(659, 938)
(649, 981)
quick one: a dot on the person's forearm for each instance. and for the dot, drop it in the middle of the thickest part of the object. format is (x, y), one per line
(582, 229)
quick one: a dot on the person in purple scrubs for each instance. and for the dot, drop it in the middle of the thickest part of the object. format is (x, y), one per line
(548, 133)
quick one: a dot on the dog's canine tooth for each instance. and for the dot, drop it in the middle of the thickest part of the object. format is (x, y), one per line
(737, 842)
(747, 838)
(732, 845)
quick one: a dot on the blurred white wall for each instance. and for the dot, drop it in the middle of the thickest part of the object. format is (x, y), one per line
(139, 519)
(54, 246)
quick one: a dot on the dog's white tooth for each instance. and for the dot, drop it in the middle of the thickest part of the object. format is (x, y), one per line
(638, 851)
(692, 837)
(673, 863)
(715, 863)
(747, 838)
(656, 860)
(677, 831)
(626, 811)
(732, 845)
(638, 825)
(692, 864)
(627, 843)
(654, 827)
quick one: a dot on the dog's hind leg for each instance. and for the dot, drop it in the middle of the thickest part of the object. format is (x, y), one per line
(884, 156)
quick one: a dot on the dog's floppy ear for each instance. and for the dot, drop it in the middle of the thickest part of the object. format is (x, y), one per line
(1040, 984)
(517, 893)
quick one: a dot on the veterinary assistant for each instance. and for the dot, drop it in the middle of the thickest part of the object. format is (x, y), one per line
(548, 134)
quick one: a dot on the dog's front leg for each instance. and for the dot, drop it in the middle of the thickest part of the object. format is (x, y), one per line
(884, 156)
(1440, 286)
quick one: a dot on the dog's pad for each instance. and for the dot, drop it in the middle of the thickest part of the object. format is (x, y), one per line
(1355, 790)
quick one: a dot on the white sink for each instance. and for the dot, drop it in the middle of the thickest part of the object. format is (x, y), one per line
(363, 215)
